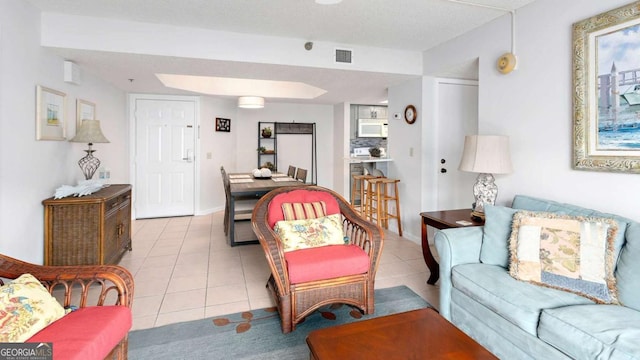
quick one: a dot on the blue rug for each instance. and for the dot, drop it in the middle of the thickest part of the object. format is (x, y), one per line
(256, 334)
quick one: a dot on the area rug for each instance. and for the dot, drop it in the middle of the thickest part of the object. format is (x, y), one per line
(256, 334)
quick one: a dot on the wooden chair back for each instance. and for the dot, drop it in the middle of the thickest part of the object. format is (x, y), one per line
(292, 171)
(301, 175)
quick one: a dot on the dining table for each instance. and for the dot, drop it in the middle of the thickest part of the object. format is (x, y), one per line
(245, 185)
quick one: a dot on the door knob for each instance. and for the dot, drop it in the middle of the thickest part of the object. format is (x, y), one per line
(442, 161)
(443, 170)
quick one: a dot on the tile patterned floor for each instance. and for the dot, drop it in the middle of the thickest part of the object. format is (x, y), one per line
(184, 270)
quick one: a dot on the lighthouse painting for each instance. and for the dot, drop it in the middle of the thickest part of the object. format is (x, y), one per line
(606, 91)
(618, 69)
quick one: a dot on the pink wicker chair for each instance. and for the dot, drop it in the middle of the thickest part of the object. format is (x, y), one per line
(295, 301)
(114, 284)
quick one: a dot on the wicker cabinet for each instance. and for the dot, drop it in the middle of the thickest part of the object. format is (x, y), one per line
(88, 230)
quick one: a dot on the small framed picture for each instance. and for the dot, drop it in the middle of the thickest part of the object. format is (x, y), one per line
(50, 114)
(85, 110)
(223, 124)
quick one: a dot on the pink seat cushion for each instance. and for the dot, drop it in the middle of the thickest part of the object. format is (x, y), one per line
(326, 262)
(276, 214)
(87, 333)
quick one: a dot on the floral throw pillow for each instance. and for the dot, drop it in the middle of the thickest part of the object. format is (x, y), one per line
(570, 253)
(309, 233)
(26, 308)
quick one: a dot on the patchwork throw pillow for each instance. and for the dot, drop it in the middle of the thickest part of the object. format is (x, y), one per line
(26, 308)
(301, 211)
(570, 253)
(308, 233)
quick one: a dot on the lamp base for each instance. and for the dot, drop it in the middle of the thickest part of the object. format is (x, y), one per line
(477, 216)
(485, 191)
(89, 164)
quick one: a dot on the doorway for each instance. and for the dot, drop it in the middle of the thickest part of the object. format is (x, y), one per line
(164, 168)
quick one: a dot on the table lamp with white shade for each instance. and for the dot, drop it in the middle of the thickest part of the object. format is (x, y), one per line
(486, 155)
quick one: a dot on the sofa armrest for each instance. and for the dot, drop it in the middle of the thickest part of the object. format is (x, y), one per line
(455, 246)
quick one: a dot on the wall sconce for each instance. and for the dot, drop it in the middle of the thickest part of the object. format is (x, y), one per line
(90, 133)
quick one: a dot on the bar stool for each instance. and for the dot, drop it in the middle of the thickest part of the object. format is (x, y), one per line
(359, 192)
(381, 192)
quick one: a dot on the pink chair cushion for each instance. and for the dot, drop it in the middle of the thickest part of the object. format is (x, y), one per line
(326, 262)
(87, 333)
(276, 214)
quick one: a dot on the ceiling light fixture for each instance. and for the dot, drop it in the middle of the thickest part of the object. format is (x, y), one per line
(251, 102)
(328, 2)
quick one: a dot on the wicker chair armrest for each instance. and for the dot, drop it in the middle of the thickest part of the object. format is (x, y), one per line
(361, 232)
(270, 244)
(79, 283)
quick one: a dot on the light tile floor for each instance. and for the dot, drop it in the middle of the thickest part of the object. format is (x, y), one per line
(184, 270)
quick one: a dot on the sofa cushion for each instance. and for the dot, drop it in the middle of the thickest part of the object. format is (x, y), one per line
(570, 253)
(517, 301)
(495, 239)
(26, 307)
(87, 333)
(309, 233)
(628, 270)
(592, 331)
(326, 262)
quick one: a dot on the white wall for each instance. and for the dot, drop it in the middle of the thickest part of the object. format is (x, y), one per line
(405, 146)
(31, 170)
(341, 168)
(70, 31)
(220, 146)
(246, 133)
(533, 105)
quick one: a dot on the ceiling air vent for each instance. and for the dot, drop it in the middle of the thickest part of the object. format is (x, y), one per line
(343, 56)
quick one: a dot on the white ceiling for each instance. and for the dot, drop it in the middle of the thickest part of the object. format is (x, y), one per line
(395, 24)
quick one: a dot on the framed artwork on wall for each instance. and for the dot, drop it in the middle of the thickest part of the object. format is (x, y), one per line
(50, 114)
(85, 110)
(223, 124)
(606, 91)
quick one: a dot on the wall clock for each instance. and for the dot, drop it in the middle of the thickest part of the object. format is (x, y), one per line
(223, 124)
(410, 114)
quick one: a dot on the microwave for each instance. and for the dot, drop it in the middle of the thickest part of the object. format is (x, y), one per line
(373, 128)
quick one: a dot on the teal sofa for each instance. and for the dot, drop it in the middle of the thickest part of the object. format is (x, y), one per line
(519, 320)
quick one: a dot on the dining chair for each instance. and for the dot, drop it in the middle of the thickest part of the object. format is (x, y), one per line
(312, 268)
(301, 175)
(292, 171)
(243, 206)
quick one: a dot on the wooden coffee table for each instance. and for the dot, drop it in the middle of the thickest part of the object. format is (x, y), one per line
(417, 334)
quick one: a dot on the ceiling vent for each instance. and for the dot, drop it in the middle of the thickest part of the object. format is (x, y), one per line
(343, 56)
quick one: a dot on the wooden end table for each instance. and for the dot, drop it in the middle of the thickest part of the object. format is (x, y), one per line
(417, 334)
(444, 219)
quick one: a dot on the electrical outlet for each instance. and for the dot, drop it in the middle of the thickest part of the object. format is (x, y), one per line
(209, 156)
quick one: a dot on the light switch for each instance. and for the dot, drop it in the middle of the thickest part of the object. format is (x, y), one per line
(411, 151)
(209, 155)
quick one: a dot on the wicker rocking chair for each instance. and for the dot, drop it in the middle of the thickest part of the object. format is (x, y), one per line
(297, 299)
(80, 286)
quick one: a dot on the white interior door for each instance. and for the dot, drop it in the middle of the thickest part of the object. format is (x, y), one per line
(165, 157)
(457, 117)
